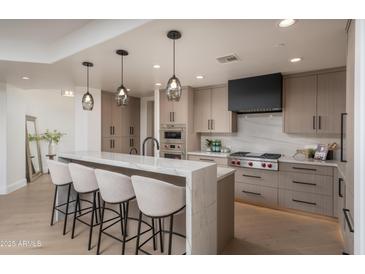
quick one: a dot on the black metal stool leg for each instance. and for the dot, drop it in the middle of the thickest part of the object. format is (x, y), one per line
(74, 221)
(126, 218)
(170, 233)
(125, 213)
(153, 233)
(161, 234)
(92, 220)
(138, 232)
(79, 204)
(96, 208)
(99, 204)
(54, 204)
(66, 215)
(101, 228)
(121, 211)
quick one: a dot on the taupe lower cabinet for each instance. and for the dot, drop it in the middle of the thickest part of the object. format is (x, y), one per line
(120, 125)
(211, 110)
(313, 102)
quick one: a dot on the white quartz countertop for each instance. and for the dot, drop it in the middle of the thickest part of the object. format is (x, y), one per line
(210, 154)
(223, 172)
(153, 164)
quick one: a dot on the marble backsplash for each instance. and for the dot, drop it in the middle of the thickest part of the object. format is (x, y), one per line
(263, 133)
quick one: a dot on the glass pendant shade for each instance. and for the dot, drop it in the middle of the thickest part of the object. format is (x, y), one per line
(87, 101)
(121, 96)
(173, 89)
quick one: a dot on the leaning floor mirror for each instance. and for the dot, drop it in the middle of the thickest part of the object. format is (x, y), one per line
(33, 150)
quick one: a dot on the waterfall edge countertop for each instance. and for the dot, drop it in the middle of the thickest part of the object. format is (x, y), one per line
(201, 181)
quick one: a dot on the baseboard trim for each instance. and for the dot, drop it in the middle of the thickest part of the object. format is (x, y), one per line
(16, 185)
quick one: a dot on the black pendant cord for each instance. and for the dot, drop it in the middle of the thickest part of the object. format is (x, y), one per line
(121, 76)
(87, 80)
(173, 58)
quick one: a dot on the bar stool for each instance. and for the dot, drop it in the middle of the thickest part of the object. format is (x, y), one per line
(158, 200)
(84, 182)
(117, 189)
(60, 177)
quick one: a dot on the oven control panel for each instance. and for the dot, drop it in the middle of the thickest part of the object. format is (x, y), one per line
(176, 147)
(258, 164)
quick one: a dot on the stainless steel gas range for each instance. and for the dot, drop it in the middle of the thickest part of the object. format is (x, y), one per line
(268, 161)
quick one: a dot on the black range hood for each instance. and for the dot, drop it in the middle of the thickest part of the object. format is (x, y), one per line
(259, 94)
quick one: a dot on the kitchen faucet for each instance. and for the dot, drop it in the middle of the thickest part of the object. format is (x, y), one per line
(144, 143)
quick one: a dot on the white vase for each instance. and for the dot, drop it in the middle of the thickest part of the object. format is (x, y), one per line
(51, 148)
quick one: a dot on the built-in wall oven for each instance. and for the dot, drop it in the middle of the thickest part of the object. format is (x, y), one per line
(173, 141)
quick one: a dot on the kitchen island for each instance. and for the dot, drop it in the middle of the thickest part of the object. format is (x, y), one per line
(199, 178)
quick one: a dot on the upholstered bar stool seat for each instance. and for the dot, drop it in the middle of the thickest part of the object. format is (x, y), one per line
(117, 189)
(60, 177)
(84, 182)
(158, 200)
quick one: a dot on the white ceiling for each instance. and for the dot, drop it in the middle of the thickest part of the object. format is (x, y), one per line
(321, 44)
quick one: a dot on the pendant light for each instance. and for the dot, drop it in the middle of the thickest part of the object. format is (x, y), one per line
(87, 99)
(173, 88)
(121, 96)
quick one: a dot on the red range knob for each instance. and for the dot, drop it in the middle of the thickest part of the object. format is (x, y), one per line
(166, 146)
(250, 163)
(264, 165)
(238, 162)
(269, 165)
(233, 162)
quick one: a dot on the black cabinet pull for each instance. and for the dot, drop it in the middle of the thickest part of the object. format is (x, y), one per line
(340, 180)
(303, 202)
(342, 137)
(111, 130)
(303, 183)
(314, 122)
(208, 124)
(347, 218)
(251, 192)
(173, 116)
(304, 168)
(204, 159)
(132, 130)
(212, 124)
(319, 122)
(111, 143)
(252, 176)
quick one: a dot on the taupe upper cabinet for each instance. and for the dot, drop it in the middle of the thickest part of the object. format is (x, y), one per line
(174, 112)
(211, 110)
(120, 124)
(313, 102)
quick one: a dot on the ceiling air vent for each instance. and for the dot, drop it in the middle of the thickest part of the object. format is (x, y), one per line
(228, 59)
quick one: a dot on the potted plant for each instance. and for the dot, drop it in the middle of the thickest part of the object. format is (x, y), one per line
(53, 138)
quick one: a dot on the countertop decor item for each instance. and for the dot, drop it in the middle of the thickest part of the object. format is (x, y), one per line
(173, 88)
(121, 95)
(53, 138)
(208, 144)
(87, 99)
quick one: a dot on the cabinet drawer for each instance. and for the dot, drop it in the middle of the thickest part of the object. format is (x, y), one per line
(257, 177)
(306, 182)
(308, 169)
(218, 160)
(310, 202)
(256, 194)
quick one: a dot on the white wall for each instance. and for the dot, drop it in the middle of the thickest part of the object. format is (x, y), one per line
(15, 138)
(143, 119)
(87, 123)
(263, 133)
(52, 111)
(3, 135)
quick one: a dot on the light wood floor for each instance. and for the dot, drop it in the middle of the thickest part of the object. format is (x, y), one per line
(25, 215)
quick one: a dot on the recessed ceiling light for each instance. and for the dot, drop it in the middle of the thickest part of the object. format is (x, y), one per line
(158, 84)
(199, 77)
(67, 93)
(296, 59)
(156, 66)
(25, 78)
(287, 23)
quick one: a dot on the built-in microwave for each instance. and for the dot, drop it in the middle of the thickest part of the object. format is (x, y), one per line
(172, 133)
